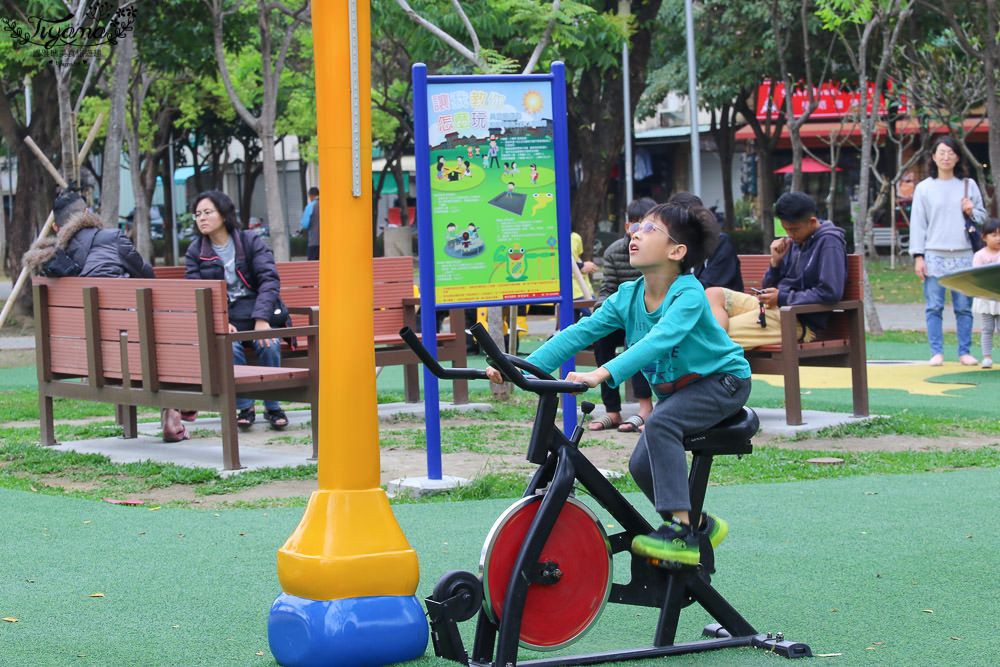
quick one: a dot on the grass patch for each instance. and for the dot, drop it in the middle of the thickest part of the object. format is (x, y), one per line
(904, 423)
(22, 405)
(899, 285)
(29, 467)
(772, 465)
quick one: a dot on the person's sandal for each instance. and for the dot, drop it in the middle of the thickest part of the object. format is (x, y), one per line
(604, 423)
(631, 425)
(277, 418)
(246, 418)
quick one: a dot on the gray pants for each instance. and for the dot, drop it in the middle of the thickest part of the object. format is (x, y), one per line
(658, 464)
(988, 323)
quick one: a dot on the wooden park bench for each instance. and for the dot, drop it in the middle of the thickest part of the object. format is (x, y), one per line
(394, 306)
(156, 343)
(840, 344)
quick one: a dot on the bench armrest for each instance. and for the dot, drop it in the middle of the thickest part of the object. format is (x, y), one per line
(822, 307)
(311, 311)
(282, 332)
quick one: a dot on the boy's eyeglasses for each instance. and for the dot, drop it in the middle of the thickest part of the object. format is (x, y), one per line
(647, 227)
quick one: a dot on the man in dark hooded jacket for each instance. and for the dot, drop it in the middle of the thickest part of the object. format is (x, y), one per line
(82, 247)
(807, 266)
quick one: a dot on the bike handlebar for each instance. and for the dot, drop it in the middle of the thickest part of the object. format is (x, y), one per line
(507, 364)
(411, 339)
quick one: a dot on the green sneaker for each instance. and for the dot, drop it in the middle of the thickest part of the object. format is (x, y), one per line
(671, 544)
(716, 528)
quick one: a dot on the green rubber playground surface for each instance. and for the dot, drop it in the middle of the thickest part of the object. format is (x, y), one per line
(896, 570)
(881, 570)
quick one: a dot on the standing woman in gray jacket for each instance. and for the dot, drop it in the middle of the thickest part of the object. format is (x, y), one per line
(940, 245)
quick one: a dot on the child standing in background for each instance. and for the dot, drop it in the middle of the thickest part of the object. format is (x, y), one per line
(988, 309)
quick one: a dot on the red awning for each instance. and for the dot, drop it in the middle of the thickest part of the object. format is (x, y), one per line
(820, 133)
(809, 165)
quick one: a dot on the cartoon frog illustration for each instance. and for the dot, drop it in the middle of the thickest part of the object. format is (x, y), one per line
(516, 265)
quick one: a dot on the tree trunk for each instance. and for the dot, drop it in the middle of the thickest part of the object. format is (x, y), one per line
(26, 217)
(250, 175)
(140, 219)
(168, 211)
(34, 186)
(765, 193)
(993, 113)
(494, 323)
(597, 134)
(67, 134)
(111, 165)
(275, 216)
(723, 136)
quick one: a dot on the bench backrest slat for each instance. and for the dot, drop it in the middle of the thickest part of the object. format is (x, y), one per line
(753, 268)
(392, 282)
(174, 354)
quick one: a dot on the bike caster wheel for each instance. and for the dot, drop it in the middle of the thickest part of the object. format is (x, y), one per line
(464, 586)
(571, 584)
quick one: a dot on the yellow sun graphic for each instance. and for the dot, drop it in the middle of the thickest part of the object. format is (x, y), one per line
(532, 102)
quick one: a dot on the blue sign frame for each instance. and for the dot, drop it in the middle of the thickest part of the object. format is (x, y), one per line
(556, 79)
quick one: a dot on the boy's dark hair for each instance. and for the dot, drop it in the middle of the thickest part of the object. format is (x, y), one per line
(685, 199)
(990, 226)
(693, 226)
(224, 205)
(950, 142)
(794, 207)
(638, 208)
(314, 191)
(66, 205)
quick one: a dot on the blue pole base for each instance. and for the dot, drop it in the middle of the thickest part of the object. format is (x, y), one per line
(376, 630)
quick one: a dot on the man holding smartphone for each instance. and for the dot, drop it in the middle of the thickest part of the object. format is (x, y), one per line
(807, 266)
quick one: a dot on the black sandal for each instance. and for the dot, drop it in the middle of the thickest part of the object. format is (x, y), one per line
(277, 418)
(246, 418)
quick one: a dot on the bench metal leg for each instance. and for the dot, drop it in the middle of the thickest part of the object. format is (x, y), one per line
(793, 396)
(230, 432)
(859, 364)
(314, 417)
(47, 434)
(411, 383)
(125, 416)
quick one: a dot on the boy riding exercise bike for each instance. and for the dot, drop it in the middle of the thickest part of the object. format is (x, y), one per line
(546, 566)
(698, 374)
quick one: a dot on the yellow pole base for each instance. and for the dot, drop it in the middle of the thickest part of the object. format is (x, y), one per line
(348, 545)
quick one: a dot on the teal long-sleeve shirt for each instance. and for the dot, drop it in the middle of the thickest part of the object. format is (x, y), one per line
(678, 343)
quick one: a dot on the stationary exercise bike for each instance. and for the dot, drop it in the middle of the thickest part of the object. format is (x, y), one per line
(546, 565)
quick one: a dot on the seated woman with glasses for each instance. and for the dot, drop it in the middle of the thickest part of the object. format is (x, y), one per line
(222, 251)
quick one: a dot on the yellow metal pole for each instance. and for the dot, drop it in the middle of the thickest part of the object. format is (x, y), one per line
(347, 573)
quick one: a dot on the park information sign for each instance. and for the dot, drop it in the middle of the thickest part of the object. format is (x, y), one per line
(491, 167)
(492, 197)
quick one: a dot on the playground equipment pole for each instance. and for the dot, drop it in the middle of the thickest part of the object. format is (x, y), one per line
(347, 573)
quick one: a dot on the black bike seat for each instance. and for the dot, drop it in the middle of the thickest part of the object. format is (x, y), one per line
(730, 436)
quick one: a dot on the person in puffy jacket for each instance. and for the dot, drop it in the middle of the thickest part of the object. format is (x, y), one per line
(223, 251)
(82, 247)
